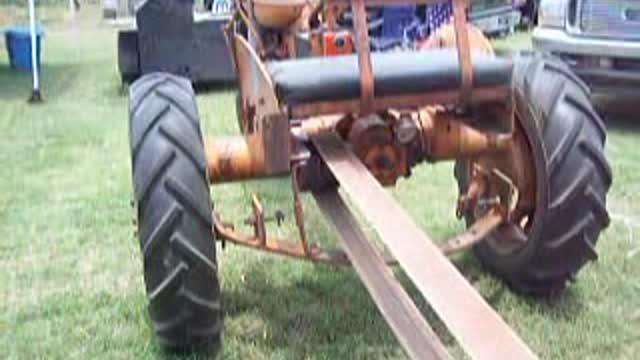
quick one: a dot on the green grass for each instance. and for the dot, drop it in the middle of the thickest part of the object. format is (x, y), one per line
(70, 271)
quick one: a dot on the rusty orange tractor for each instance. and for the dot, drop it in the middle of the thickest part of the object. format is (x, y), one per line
(317, 105)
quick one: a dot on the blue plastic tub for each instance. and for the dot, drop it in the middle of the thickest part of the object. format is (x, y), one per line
(18, 40)
(396, 18)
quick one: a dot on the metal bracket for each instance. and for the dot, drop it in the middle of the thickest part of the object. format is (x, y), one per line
(226, 232)
(475, 234)
(497, 211)
(481, 181)
(260, 239)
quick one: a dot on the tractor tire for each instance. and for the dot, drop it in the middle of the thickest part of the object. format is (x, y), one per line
(128, 57)
(174, 214)
(566, 137)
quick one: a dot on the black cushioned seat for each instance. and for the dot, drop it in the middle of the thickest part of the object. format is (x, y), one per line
(313, 79)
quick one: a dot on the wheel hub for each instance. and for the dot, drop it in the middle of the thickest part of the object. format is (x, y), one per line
(515, 165)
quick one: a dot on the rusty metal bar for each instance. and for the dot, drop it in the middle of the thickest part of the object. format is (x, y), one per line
(230, 158)
(262, 153)
(481, 332)
(464, 50)
(364, 55)
(298, 208)
(260, 230)
(315, 125)
(477, 188)
(282, 247)
(225, 232)
(445, 137)
(476, 233)
(402, 315)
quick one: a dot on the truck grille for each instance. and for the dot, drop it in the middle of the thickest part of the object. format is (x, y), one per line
(609, 18)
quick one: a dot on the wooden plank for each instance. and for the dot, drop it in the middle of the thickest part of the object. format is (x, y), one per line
(481, 332)
(402, 315)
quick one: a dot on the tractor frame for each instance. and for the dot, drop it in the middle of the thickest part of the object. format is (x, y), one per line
(358, 122)
(308, 141)
(275, 135)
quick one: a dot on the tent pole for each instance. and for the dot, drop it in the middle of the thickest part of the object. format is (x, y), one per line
(72, 9)
(36, 96)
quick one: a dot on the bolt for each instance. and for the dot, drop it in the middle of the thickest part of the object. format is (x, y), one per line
(385, 162)
(406, 130)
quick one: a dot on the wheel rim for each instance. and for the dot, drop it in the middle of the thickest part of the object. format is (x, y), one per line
(519, 165)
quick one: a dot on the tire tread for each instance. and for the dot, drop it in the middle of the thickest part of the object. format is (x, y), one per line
(570, 136)
(174, 213)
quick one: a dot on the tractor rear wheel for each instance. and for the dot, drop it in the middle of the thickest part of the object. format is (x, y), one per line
(571, 178)
(174, 213)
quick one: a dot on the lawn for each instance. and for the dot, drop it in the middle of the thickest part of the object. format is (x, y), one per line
(70, 272)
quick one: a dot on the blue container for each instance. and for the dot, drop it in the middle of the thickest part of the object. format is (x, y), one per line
(18, 40)
(396, 19)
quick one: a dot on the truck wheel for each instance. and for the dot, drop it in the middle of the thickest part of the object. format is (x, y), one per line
(554, 239)
(128, 57)
(173, 209)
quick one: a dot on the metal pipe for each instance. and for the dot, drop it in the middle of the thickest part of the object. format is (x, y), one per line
(230, 158)
(35, 94)
(445, 138)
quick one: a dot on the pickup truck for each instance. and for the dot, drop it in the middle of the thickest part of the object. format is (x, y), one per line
(599, 39)
(500, 17)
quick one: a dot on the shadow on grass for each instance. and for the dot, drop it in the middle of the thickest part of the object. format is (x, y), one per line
(322, 312)
(325, 314)
(202, 88)
(122, 87)
(622, 123)
(168, 354)
(566, 305)
(56, 80)
(619, 112)
(329, 314)
(215, 87)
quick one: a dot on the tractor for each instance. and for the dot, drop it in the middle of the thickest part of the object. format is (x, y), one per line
(343, 122)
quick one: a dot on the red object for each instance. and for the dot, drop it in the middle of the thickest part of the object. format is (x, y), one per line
(337, 43)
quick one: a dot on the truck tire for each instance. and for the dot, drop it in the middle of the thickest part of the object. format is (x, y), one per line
(128, 58)
(174, 214)
(567, 138)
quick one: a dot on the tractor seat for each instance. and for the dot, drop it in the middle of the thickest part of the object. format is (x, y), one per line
(314, 79)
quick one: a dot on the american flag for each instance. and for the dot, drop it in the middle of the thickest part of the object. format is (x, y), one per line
(438, 15)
